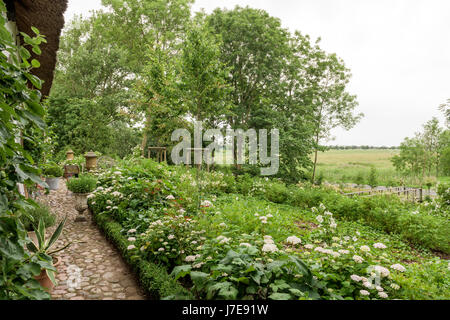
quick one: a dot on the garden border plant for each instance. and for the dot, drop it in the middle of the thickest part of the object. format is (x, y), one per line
(153, 278)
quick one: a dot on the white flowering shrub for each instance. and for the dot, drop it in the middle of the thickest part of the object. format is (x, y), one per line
(244, 246)
(349, 269)
(171, 239)
(242, 274)
(326, 223)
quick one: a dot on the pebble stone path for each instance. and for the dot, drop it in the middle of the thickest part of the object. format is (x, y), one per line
(91, 268)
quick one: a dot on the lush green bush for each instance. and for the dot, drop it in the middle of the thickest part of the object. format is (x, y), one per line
(83, 184)
(52, 170)
(241, 275)
(276, 192)
(21, 112)
(444, 194)
(31, 216)
(263, 243)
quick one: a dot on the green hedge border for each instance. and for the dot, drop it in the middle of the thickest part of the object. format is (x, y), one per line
(153, 278)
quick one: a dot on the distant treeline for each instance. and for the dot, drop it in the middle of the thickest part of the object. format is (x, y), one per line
(360, 147)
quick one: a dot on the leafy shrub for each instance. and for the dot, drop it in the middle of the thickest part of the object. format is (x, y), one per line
(52, 170)
(170, 239)
(244, 184)
(373, 177)
(83, 184)
(359, 179)
(444, 193)
(241, 274)
(319, 179)
(276, 192)
(31, 216)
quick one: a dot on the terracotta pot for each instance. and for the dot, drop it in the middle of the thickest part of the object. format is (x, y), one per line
(43, 278)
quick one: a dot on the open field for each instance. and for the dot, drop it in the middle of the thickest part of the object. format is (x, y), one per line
(354, 166)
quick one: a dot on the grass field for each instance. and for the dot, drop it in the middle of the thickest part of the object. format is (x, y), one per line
(354, 166)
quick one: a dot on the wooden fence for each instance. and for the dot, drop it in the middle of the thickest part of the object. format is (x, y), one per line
(410, 194)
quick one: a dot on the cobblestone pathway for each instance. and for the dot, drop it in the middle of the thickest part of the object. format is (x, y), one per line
(91, 268)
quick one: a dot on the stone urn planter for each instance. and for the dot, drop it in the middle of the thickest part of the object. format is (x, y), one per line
(80, 205)
(53, 183)
(91, 160)
(81, 187)
(44, 279)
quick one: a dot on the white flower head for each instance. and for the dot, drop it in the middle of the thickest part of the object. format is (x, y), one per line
(293, 240)
(364, 292)
(269, 247)
(398, 267)
(395, 286)
(382, 271)
(379, 245)
(358, 259)
(355, 277)
(131, 247)
(206, 203)
(364, 248)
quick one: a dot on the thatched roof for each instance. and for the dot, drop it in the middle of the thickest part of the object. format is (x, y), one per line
(48, 17)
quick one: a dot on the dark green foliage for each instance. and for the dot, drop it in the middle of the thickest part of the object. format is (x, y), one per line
(444, 194)
(83, 184)
(31, 216)
(52, 170)
(276, 192)
(21, 116)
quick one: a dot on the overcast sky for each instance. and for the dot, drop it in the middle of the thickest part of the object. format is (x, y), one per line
(398, 52)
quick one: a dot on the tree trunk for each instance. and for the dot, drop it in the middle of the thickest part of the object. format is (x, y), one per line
(145, 136)
(315, 158)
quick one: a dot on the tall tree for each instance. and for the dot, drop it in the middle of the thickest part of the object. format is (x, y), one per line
(138, 24)
(445, 108)
(90, 98)
(431, 136)
(333, 105)
(203, 86)
(254, 48)
(148, 30)
(425, 152)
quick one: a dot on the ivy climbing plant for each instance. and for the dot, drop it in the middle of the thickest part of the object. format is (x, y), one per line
(20, 109)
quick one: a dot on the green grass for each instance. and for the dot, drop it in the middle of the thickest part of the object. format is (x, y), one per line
(353, 166)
